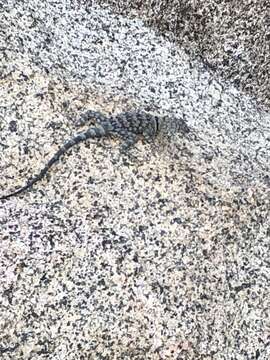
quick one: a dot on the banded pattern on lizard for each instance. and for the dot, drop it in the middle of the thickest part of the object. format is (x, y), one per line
(129, 126)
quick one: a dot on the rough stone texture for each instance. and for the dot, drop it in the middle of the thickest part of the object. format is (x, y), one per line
(232, 37)
(167, 258)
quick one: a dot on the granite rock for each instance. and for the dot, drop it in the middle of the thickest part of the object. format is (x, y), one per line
(231, 37)
(163, 258)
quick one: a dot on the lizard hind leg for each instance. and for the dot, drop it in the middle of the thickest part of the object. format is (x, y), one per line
(127, 148)
(91, 116)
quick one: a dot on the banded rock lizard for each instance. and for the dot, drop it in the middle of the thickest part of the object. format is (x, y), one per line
(129, 126)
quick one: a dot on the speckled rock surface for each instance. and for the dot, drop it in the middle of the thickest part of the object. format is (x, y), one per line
(165, 258)
(232, 37)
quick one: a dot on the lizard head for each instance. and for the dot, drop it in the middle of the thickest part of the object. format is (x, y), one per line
(172, 125)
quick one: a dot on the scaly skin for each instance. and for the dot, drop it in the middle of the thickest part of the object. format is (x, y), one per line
(128, 125)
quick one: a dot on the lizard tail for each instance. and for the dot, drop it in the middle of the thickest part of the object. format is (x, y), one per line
(91, 133)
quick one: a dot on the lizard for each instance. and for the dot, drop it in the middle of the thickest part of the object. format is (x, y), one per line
(129, 126)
